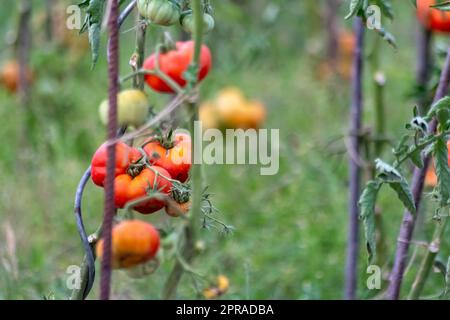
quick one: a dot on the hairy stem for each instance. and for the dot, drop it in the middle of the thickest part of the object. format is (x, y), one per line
(409, 219)
(139, 54)
(191, 230)
(428, 260)
(354, 171)
(113, 73)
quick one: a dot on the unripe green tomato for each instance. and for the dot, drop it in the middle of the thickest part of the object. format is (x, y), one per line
(161, 12)
(132, 108)
(187, 22)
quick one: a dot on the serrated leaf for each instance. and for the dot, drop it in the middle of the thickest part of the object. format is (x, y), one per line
(386, 8)
(354, 7)
(367, 215)
(440, 154)
(92, 24)
(386, 172)
(443, 103)
(443, 116)
(443, 6)
(404, 194)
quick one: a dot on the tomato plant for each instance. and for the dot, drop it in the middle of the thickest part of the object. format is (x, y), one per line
(174, 62)
(133, 242)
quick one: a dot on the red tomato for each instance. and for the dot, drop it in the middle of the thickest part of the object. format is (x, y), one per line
(433, 19)
(125, 155)
(176, 160)
(174, 63)
(128, 188)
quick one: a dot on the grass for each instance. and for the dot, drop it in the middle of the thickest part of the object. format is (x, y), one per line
(291, 229)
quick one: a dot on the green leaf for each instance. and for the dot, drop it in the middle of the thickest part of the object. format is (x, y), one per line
(397, 182)
(386, 8)
(443, 103)
(367, 215)
(94, 15)
(443, 6)
(416, 157)
(404, 194)
(354, 7)
(440, 154)
(387, 172)
(443, 116)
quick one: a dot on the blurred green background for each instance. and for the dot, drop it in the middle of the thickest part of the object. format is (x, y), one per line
(291, 231)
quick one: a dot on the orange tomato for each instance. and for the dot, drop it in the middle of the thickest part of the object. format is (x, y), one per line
(431, 18)
(133, 242)
(175, 209)
(9, 75)
(176, 159)
(231, 110)
(130, 188)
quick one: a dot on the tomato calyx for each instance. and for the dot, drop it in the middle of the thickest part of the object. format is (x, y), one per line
(167, 44)
(180, 192)
(134, 169)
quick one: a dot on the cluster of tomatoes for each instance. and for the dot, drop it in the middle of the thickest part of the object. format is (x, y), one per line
(146, 180)
(231, 110)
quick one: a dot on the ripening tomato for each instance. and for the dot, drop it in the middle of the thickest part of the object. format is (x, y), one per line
(133, 242)
(129, 188)
(174, 63)
(234, 111)
(161, 12)
(125, 155)
(176, 159)
(187, 22)
(175, 209)
(9, 75)
(432, 18)
(132, 108)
